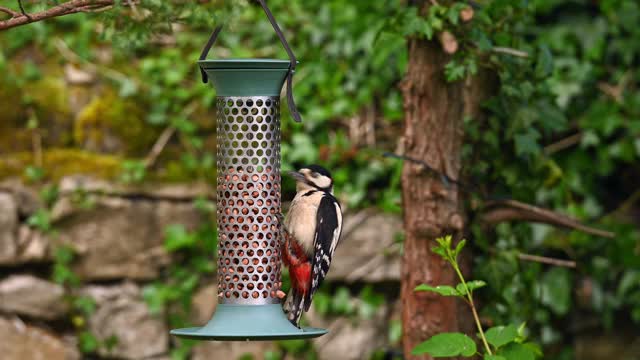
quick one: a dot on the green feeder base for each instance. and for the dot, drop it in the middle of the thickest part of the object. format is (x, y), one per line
(248, 322)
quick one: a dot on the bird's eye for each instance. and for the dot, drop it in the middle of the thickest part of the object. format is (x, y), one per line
(314, 175)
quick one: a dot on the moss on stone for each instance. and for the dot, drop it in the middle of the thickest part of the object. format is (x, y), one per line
(45, 100)
(49, 96)
(110, 124)
(58, 163)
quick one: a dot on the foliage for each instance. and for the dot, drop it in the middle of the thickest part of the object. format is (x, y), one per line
(560, 131)
(81, 306)
(172, 294)
(500, 342)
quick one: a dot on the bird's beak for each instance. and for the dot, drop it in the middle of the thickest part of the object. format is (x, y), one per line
(297, 176)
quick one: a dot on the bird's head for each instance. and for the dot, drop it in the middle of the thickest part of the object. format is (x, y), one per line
(313, 177)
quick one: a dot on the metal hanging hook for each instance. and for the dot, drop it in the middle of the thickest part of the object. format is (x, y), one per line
(293, 109)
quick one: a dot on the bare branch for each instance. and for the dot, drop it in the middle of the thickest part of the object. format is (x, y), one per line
(69, 7)
(563, 143)
(22, 10)
(547, 260)
(510, 51)
(509, 210)
(6, 10)
(157, 148)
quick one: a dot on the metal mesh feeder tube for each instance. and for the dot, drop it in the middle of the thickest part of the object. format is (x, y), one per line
(248, 200)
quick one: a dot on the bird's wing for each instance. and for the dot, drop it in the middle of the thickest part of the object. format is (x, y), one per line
(327, 235)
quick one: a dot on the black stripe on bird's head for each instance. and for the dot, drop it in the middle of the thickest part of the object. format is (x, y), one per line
(314, 176)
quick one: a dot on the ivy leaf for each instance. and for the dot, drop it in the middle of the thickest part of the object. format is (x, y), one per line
(499, 336)
(556, 290)
(527, 143)
(454, 71)
(544, 65)
(494, 357)
(453, 14)
(447, 344)
(443, 290)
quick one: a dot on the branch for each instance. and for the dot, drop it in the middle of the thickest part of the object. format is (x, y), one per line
(547, 260)
(508, 210)
(9, 11)
(22, 10)
(498, 211)
(563, 144)
(69, 7)
(510, 51)
(157, 148)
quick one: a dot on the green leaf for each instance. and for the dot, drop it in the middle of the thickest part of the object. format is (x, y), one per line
(177, 237)
(447, 344)
(443, 290)
(459, 247)
(527, 143)
(556, 290)
(471, 285)
(494, 357)
(499, 336)
(88, 342)
(544, 65)
(34, 173)
(342, 303)
(516, 351)
(454, 71)
(41, 220)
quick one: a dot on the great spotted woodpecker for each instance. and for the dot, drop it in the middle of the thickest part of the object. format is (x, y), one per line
(310, 235)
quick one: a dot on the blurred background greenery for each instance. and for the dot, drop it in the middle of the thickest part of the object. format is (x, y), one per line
(92, 94)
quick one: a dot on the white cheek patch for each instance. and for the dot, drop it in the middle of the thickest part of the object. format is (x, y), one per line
(322, 181)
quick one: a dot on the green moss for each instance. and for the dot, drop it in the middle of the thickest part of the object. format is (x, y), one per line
(58, 163)
(11, 111)
(49, 96)
(110, 124)
(46, 101)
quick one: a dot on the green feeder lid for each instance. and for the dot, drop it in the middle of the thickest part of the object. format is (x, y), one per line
(246, 77)
(245, 64)
(248, 322)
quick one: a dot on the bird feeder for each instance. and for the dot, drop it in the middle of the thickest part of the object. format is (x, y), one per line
(248, 197)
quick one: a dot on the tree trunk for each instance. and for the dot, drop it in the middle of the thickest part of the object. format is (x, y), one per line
(434, 112)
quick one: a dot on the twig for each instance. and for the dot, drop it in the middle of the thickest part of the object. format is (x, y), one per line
(165, 136)
(69, 7)
(70, 56)
(159, 145)
(509, 210)
(563, 144)
(22, 10)
(134, 9)
(446, 179)
(6, 10)
(497, 211)
(454, 263)
(510, 51)
(547, 260)
(626, 204)
(36, 141)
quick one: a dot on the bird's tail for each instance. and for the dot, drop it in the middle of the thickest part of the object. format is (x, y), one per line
(293, 306)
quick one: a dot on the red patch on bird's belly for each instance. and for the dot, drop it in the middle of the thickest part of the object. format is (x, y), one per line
(301, 277)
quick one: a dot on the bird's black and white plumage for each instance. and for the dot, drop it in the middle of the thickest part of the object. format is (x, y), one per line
(312, 231)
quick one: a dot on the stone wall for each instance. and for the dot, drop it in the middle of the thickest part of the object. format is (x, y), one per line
(116, 233)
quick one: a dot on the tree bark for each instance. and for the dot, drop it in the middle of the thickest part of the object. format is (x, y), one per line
(434, 113)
